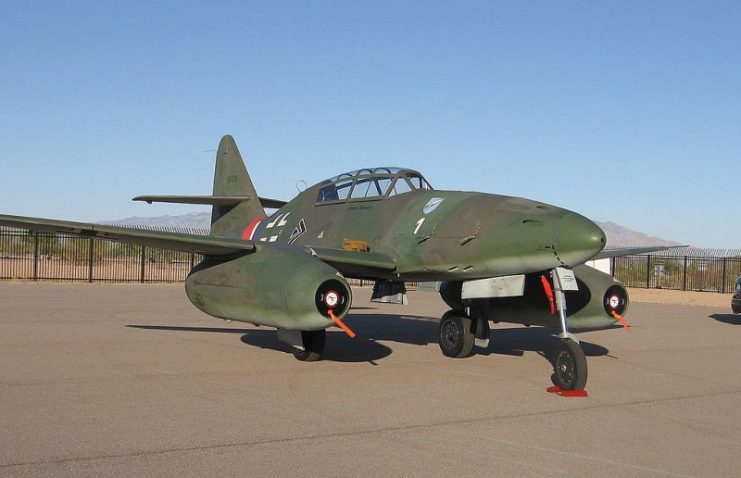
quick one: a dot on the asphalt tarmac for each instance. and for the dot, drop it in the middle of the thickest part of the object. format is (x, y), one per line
(129, 380)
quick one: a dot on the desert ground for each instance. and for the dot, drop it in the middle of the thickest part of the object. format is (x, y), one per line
(678, 297)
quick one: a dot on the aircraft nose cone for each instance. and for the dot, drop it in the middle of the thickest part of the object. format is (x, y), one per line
(579, 239)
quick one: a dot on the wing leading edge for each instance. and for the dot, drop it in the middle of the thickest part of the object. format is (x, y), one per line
(629, 251)
(208, 245)
(348, 262)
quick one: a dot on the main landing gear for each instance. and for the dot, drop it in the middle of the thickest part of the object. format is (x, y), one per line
(459, 331)
(307, 346)
(313, 346)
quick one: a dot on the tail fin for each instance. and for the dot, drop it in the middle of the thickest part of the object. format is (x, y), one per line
(231, 179)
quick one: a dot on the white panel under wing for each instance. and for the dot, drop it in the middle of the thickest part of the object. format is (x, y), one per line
(505, 286)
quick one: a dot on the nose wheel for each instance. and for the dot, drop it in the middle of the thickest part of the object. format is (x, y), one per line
(570, 366)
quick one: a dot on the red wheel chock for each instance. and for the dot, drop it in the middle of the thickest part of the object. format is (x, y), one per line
(567, 393)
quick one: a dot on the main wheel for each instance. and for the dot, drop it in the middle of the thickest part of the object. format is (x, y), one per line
(456, 337)
(570, 366)
(313, 346)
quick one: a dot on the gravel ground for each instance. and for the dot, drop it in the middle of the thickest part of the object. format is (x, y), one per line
(679, 297)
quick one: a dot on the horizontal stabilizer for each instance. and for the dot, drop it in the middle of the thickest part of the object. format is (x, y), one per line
(207, 200)
(210, 200)
(195, 243)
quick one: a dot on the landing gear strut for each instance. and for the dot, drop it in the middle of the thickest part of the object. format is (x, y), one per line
(569, 362)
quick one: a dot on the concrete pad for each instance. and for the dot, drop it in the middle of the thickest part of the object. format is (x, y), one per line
(129, 380)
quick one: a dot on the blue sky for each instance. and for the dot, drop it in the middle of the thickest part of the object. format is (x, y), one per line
(623, 111)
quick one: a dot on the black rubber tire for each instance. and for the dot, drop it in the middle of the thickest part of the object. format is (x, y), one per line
(570, 366)
(455, 336)
(313, 346)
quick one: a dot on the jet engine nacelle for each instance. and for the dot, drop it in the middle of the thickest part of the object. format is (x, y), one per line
(273, 286)
(591, 307)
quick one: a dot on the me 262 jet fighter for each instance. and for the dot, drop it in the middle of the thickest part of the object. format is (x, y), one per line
(498, 258)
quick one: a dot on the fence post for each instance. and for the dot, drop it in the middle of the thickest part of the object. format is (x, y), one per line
(192, 261)
(90, 250)
(723, 287)
(684, 279)
(35, 256)
(141, 265)
(648, 272)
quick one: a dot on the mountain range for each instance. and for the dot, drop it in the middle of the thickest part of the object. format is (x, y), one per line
(617, 235)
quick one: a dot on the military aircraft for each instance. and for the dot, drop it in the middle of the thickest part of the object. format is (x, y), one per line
(499, 258)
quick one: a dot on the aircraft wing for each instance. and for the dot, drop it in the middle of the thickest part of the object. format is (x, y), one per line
(212, 246)
(629, 251)
(354, 263)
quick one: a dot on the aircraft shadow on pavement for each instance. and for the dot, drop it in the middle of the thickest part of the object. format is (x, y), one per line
(542, 340)
(374, 328)
(727, 318)
(339, 347)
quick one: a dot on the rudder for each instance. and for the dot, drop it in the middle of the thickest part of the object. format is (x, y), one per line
(231, 179)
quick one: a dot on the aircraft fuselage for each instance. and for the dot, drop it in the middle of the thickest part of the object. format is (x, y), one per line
(441, 235)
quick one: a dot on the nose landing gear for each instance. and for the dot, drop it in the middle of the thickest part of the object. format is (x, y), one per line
(569, 362)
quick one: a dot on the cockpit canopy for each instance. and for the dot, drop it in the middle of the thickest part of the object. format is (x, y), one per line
(370, 184)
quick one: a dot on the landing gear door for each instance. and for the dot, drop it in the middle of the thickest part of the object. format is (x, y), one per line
(506, 286)
(566, 279)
